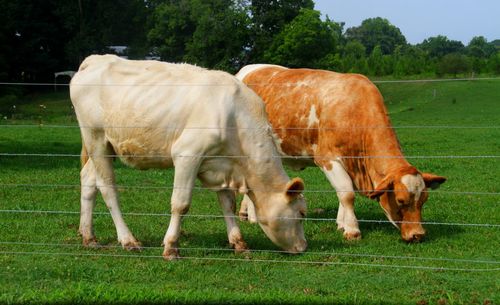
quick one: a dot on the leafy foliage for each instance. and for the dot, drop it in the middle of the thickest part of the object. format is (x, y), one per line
(377, 32)
(38, 38)
(304, 41)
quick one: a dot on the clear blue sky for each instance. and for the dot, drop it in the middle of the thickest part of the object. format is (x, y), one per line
(420, 19)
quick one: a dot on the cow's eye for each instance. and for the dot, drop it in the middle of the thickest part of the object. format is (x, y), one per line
(401, 201)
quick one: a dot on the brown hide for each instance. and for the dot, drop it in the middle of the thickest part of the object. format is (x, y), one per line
(352, 121)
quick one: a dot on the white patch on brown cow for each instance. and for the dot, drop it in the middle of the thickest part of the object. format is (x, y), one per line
(313, 117)
(414, 184)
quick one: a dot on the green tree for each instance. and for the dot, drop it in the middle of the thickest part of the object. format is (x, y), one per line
(221, 35)
(453, 63)
(42, 37)
(32, 40)
(480, 50)
(494, 63)
(212, 33)
(378, 63)
(171, 28)
(439, 46)
(377, 31)
(268, 18)
(410, 60)
(354, 59)
(304, 41)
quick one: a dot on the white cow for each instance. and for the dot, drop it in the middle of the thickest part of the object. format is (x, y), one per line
(206, 124)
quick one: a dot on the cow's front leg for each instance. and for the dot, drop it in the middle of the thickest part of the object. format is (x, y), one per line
(186, 169)
(227, 201)
(340, 180)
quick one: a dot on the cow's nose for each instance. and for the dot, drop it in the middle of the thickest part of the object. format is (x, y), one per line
(414, 237)
(300, 247)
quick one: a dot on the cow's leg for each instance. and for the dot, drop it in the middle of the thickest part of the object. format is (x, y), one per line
(186, 169)
(227, 200)
(105, 180)
(247, 210)
(87, 199)
(346, 219)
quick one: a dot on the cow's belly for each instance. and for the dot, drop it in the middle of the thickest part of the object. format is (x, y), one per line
(297, 149)
(141, 147)
(222, 173)
(142, 155)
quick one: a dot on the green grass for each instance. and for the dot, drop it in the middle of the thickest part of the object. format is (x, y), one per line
(49, 265)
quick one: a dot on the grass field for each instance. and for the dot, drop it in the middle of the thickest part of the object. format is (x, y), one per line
(441, 127)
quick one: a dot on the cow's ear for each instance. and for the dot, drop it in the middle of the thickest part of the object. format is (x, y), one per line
(433, 181)
(386, 184)
(294, 188)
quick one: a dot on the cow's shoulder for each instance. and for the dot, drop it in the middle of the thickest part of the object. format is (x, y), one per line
(249, 69)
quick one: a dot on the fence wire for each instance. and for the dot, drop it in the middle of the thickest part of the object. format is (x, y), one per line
(251, 260)
(214, 216)
(201, 188)
(247, 259)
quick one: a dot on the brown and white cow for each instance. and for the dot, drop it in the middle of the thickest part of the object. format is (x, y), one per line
(206, 124)
(339, 123)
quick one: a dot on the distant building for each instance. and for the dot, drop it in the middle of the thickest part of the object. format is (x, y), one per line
(122, 51)
(119, 50)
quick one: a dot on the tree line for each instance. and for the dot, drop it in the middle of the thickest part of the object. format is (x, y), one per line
(38, 38)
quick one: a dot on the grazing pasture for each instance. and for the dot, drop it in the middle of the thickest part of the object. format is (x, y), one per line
(450, 128)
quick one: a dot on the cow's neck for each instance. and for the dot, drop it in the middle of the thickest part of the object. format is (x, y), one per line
(380, 156)
(264, 171)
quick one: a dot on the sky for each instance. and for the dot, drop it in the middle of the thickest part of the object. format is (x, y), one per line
(420, 19)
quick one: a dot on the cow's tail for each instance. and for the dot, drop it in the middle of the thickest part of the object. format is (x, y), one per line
(84, 156)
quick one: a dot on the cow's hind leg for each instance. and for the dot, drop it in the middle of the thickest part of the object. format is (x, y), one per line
(247, 210)
(101, 156)
(87, 199)
(346, 219)
(227, 201)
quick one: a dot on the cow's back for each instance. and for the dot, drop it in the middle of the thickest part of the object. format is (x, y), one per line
(143, 107)
(316, 112)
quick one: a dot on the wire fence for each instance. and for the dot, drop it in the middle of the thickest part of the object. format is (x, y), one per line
(492, 264)
(287, 84)
(215, 216)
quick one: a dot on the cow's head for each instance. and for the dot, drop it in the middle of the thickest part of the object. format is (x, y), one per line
(402, 196)
(280, 217)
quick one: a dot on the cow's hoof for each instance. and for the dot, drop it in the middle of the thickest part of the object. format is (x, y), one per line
(352, 235)
(132, 246)
(171, 254)
(243, 216)
(90, 242)
(240, 247)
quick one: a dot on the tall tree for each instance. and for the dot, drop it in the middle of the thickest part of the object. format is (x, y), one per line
(42, 37)
(171, 29)
(439, 46)
(268, 20)
(354, 58)
(221, 35)
(304, 41)
(409, 60)
(377, 31)
(211, 33)
(480, 51)
(453, 63)
(33, 41)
